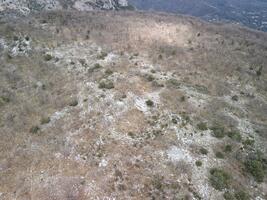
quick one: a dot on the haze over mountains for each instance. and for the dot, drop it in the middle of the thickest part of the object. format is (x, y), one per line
(251, 13)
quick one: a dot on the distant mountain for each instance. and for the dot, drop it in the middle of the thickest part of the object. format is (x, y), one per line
(252, 13)
(27, 6)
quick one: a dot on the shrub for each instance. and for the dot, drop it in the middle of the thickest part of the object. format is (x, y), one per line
(228, 148)
(131, 134)
(259, 71)
(4, 100)
(228, 196)
(219, 179)
(149, 77)
(47, 57)
(106, 84)
(149, 103)
(218, 131)
(235, 98)
(202, 126)
(34, 129)
(198, 163)
(108, 72)
(219, 155)
(203, 151)
(102, 55)
(174, 121)
(235, 135)
(174, 83)
(248, 142)
(95, 67)
(45, 120)
(182, 98)
(256, 166)
(73, 103)
(242, 195)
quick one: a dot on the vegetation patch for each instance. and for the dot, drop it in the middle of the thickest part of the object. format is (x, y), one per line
(45, 120)
(95, 67)
(228, 148)
(106, 84)
(108, 72)
(47, 57)
(34, 129)
(235, 135)
(248, 142)
(219, 155)
(218, 131)
(203, 151)
(256, 165)
(4, 100)
(198, 163)
(149, 77)
(229, 196)
(102, 55)
(242, 195)
(149, 103)
(202, 126)
(73, 103)
(219, 179)
(173, 83)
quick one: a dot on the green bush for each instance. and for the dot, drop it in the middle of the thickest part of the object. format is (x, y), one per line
(218, 131)
(183, 98)
(47, 57)
(108, 72)
(203, 151)
(248, 142)
(34, 129)
(219, 179)
(242, 195)
(73, 103)
(235, 135)
(202, 126)
(219, 155)
(228, 196)
(102, 55)
(235, 98)
(4, 100)
(198, 163)
(228, 148)
(45, 120)
(106, 84)
(256, 166)
(149, 103)
(149, 77)
(173, 83)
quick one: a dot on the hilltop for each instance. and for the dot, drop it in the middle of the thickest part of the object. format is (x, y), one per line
(131, 105)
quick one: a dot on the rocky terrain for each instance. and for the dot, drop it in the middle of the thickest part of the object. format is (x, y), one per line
(128, 105)
(27, 6)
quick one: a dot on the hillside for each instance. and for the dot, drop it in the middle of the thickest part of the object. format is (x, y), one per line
(27, 6)
(130, 105)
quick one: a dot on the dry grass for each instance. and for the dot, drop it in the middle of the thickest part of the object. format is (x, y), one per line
(102, 143)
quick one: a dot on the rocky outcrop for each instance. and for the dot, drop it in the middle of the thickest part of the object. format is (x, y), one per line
(27, 6)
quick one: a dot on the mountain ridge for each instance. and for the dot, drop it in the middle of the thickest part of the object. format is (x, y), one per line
(27, 6)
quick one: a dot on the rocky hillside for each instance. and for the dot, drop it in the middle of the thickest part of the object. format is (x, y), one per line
(27, 6)
(131, 106)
